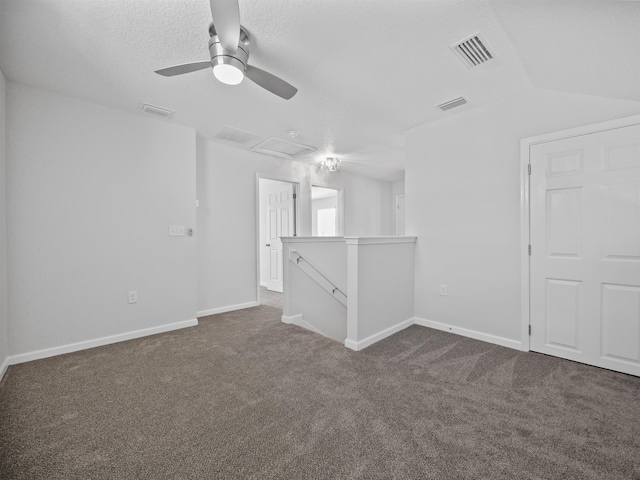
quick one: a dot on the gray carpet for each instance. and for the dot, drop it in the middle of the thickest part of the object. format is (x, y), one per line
(272, 299)
(244, 396)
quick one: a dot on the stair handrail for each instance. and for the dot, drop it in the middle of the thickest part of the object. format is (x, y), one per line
(335, 288)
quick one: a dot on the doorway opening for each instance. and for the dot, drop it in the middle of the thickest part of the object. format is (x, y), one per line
(326, 212)
(278, 216)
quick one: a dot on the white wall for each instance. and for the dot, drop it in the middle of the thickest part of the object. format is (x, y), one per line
(463, 202)
(397, 188)
(91, 193)
(381, 295)
(4, 338)
(306, 302)
(226, 233)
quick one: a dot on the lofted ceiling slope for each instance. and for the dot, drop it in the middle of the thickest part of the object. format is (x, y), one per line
(366, 70)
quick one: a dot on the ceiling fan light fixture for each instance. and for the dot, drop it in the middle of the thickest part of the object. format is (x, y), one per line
(228, 70)
(229, 49)
(228, 74)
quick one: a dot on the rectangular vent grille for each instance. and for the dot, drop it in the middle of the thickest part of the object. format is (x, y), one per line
(456, 102)
(278, 147)
(473, 51)
(234, 135)
(158, 111)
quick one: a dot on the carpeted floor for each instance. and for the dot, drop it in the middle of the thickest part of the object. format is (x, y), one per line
(243, 395)
(272, 299)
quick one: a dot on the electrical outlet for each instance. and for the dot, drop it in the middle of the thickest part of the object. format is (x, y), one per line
(443, 290)
(133, 297)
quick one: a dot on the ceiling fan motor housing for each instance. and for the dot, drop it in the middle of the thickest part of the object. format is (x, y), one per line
(220, 55)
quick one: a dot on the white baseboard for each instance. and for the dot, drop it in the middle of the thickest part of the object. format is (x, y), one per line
(300, 322)
(485, 337)
(98, 342)
(292, 319)
(3, 367)
(228, 308)
(376, 337)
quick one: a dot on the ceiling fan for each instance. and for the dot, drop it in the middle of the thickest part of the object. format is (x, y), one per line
(229, 49)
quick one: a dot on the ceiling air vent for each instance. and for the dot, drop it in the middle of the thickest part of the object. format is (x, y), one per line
(234, 135)
(158, 111)
(474, 50)
(278, 147)
(456, 102)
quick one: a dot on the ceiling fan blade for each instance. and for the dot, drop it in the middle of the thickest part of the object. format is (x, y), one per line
(184, 68)
(226, 20)
(271, 82)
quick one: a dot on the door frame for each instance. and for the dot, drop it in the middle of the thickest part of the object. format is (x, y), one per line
(396, 216)
(339, 206)
(297, 216)
(525, 205)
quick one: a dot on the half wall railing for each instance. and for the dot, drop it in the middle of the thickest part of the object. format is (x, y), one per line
(370, 281)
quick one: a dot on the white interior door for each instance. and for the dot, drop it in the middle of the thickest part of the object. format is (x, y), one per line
(585, 240)
(400, 215)
(280, 223)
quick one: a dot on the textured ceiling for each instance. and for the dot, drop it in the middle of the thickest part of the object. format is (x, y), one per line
(366, 70)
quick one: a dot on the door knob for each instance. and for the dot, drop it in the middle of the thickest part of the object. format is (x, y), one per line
(268, 245)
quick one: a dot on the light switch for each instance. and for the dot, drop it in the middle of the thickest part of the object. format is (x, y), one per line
(176, 230)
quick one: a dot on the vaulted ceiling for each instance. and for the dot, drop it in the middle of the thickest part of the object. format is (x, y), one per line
(366, 70)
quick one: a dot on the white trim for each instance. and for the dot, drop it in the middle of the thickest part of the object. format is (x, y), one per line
(353, 272)
(396, 207)
(353, 240)
(292, 319)
(525, 236)
(4, 367)
(99, 342)
(227, 308)
(525, 198)
(311, 239)
(263, 284)
(376, 337)
(485, 337)
(298, 320)
(583, 130)
(379, 240)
